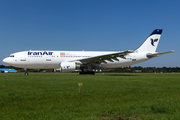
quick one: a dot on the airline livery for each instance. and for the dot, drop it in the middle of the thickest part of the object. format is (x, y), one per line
(68, 61)
(6, 70)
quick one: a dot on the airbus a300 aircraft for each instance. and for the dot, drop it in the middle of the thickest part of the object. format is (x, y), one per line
(68, 61)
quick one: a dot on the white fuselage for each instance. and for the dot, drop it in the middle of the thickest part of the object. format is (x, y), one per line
(52, 59)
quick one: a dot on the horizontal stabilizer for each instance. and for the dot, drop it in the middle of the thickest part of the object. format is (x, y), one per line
(151, 55)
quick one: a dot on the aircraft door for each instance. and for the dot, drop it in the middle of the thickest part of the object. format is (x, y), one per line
(133, 57)
(23, 57)
(48, 58)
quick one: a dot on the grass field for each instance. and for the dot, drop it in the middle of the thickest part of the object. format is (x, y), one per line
(55, 96)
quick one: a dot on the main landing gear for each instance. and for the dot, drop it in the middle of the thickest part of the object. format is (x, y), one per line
(87, 72)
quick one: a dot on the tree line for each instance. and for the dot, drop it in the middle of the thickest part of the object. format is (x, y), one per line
(139, 69)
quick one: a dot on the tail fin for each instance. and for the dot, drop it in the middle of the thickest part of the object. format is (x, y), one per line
(151, 43)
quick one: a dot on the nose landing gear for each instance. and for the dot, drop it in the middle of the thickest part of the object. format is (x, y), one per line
(26, 72)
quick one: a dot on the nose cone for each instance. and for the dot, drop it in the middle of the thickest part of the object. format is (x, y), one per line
(6, 60)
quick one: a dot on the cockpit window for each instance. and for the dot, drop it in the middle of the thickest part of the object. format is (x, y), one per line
(11, 56)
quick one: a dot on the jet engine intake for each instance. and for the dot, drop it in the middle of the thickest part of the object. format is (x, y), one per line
(69, 66)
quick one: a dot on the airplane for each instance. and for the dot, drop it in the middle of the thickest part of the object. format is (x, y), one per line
(85, 61)
(6, 70)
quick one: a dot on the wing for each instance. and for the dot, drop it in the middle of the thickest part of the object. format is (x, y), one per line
(158, 54)
(102, 58)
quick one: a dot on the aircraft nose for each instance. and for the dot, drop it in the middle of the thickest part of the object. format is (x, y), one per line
(5, 60)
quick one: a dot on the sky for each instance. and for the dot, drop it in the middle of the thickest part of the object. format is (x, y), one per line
(90, 25)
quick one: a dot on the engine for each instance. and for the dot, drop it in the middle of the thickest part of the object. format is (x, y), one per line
(69, 66)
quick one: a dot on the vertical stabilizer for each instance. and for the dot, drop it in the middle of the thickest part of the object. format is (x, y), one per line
(151, 43)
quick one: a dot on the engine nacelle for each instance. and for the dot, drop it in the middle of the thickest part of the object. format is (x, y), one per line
(69, 66)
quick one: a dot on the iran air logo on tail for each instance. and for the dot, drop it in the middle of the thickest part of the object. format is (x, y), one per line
(153, 41)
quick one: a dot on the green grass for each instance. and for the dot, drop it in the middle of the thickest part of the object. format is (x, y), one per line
(55, 96)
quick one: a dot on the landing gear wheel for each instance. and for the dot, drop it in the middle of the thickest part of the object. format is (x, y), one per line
(26, 73)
